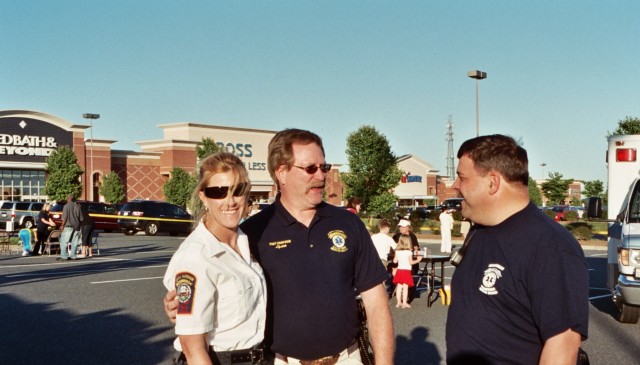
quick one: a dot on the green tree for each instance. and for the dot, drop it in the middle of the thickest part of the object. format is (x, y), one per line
(628, 125)
(373, 170)
(534, 192)
(555, 189)
(63, 174)
(178, 189)
(112, 188)
(206, 148)
(593, 188)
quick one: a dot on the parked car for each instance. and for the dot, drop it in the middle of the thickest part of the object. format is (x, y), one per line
(561, 210)
(105, 216)
(22, 214)
(153, 217)
(452, 203)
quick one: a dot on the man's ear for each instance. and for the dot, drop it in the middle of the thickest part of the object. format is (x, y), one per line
(281, 174)
(494, 182)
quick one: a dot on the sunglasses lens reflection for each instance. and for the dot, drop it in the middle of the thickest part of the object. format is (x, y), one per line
(312, 169)
(221, 192)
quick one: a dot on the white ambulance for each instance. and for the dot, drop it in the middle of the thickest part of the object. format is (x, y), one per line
(623, 263)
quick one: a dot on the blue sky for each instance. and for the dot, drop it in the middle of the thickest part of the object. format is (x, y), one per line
(560, 74)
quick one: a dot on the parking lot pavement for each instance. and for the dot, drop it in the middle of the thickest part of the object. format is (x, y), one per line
(108, 309)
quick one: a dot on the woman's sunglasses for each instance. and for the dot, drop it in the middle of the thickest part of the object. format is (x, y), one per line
(312, 169)
(221, 192)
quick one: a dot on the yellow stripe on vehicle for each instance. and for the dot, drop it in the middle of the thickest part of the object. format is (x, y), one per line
(154, 219)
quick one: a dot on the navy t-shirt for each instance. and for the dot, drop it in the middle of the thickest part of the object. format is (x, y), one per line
(520, 283)
(312, 273)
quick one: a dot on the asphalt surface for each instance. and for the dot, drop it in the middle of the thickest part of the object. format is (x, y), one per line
(108, 310)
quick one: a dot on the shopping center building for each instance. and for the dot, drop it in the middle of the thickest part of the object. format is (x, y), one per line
(27, 138)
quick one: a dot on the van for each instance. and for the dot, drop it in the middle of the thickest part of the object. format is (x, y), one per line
(623, 256)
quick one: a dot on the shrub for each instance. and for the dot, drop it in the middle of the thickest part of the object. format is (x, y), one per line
(434, 226)
(417, 215)
(550, 213)
(455, 232)
(581, 231)
(571, 216)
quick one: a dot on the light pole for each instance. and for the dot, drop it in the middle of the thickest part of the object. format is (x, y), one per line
(91, 117)
(478, 75)
(542, 165)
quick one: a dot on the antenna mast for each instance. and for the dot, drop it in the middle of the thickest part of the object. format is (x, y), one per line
(451, 169)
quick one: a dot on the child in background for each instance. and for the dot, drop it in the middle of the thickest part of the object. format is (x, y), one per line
(403, 277)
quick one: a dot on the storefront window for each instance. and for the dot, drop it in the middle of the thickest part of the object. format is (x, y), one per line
(22, 185)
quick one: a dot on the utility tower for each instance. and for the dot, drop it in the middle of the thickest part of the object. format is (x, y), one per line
(451, 169)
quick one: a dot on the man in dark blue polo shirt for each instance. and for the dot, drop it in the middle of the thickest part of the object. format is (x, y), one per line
(314, 255)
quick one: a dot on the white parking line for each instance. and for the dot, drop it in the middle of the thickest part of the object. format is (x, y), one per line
(124, 280)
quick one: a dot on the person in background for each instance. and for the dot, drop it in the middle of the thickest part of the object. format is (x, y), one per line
(71, 222)
(221, 289)
(446, 225)
(383, 242)
(403, 278)
(404, 227)
(86, 230)
(354, 204)
(522, 283)
(43, 225)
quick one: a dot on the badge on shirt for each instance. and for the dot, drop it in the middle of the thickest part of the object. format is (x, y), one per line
(339, 240)
(490, 278)
(186, 291)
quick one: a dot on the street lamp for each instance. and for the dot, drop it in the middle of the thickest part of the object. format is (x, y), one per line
(542, 165)
(91, 117)
(478, 75)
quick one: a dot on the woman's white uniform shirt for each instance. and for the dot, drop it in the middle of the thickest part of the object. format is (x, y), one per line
(219, 292)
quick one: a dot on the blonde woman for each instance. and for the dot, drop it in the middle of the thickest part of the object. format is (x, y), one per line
(221, 289)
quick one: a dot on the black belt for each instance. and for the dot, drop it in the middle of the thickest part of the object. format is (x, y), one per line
(253, 355)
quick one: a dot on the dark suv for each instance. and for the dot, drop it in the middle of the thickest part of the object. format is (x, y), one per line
(153, 217)
(452, 203)
(105, 216)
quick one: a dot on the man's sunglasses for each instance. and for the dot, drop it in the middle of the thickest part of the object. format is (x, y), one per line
(312, 169)
(221, 192)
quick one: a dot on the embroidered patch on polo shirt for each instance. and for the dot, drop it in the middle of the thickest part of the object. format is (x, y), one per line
(280, 244)
(339, 240)
(186, 291)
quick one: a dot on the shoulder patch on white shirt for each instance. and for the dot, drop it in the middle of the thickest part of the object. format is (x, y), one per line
(186, 291)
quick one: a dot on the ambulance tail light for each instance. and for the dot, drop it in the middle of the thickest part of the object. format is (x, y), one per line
(626, 155)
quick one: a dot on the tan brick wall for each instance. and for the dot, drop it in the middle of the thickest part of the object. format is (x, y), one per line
(334, 188)
(185, 159)
(141, 181)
